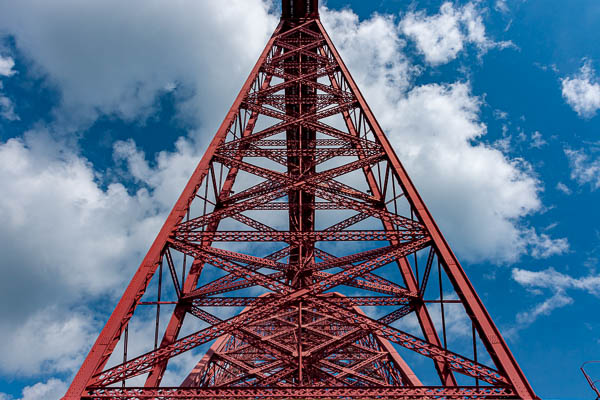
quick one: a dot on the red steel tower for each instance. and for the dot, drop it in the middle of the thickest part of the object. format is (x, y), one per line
(299, 217)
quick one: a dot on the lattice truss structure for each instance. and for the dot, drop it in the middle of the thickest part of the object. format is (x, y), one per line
(298, 217)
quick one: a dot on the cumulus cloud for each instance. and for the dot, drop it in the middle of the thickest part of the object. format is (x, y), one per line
(49, 341)
(582, 91)
(70, 239)
(113, 57)
(170, 174)
(423, 123)
(51, 390)
(434, 128)
(477, 194)
(65, 230)
(89, 235)
(440, 37)
(6, 66)
(73, 238)
(62, 200)
(585, 168)
(374, 52)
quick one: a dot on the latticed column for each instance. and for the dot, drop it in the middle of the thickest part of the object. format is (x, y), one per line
(300, 261)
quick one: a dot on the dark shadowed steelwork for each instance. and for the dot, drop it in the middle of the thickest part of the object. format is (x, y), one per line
(297, 217)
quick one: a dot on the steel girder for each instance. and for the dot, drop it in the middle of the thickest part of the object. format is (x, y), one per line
(324, 393)
(300, 171)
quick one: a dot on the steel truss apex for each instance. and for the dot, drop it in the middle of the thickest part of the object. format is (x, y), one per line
(302, 256)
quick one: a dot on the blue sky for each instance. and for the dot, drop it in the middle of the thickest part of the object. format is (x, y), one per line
(105, 107)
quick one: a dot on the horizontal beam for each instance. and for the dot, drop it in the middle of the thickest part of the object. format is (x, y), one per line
(286, 236)
(273, 393)
(361, 301)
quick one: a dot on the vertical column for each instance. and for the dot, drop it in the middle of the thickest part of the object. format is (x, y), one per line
(299, 9)
(300, 101)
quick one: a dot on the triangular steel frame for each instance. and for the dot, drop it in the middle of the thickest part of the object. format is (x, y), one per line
(299, 82)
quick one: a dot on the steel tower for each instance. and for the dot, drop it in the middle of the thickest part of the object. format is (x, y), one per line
(299, 216)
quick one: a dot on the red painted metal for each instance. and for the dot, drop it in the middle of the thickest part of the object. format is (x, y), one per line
(304, 209)
(325, 393)
(590, 380)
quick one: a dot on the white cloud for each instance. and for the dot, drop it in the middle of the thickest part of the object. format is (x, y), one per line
(545, 308)
(563, 188)
(509, 142)
(582, 91)
(442, 36)
(6, 66)
(502, 6)
(172, 171)
(7, 108)
(478, 195)
(89, 236)
(53, 389)
(537, 141)
(384, 74)
(72, 239)
(69, 239)
(112, 57)
(373, 51)
(584, 168)
(64, 231)
(500, 115)
(542, 245)
(59, 196)
(552, 279)
(50, 341)
(136, 160)
(555, 282)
